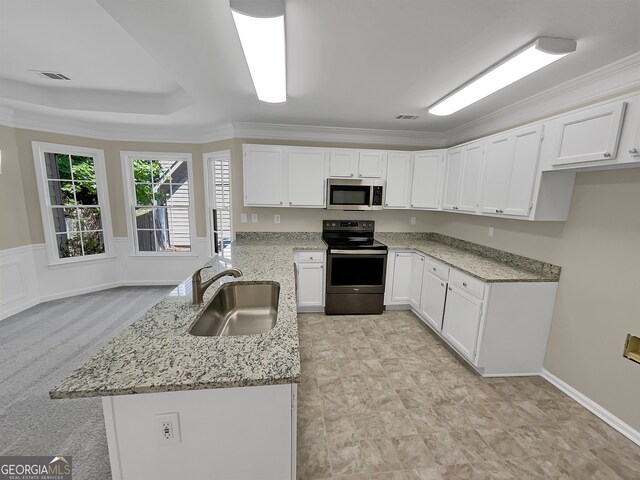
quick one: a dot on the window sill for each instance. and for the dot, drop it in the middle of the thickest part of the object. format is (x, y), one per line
(77, 262)
(156, 256)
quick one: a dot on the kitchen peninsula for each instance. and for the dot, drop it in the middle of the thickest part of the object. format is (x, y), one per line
(183, 406)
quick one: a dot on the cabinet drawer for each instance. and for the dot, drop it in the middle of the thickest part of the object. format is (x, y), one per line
(310, 257)
(436, 268)
(468, 283)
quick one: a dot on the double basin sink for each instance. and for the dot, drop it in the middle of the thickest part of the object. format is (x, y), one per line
(242, 308)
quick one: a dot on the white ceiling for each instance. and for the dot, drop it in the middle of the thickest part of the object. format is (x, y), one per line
(351, 63)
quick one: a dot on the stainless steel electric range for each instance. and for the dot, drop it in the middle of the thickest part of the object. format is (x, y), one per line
(356, 267)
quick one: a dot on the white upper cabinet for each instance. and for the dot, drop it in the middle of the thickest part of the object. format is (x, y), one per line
(470, 179)
(307, 173)
(398, 180)
(370, 163)
(428, 174)
(452, 182)
(464, 166)
(510, 169)
(342, 163)
(263, 173)
(589, 135)
(523, 171)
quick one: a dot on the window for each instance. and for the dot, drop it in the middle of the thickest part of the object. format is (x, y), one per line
(160, 201)
(220, 174)
(74, 201)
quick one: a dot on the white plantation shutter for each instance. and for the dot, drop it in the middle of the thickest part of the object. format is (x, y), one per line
(222, 211)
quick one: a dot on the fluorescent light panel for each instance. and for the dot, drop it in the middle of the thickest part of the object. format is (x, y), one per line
(264, 48)
(539, 54)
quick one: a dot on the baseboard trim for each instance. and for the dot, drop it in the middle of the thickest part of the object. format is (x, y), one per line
(599, 411)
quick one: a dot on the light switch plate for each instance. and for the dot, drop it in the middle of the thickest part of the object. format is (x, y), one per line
(413, 220)
(276, 219)
(243, 218)
(254, 218)
(492, 230)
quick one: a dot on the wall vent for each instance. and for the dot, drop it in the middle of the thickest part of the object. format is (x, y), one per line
(51, 75)
(406, 116)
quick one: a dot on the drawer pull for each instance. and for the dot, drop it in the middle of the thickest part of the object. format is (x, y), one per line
(433, 268)
(464, 284)
(606, 155)
(441, 284)
(450, 289)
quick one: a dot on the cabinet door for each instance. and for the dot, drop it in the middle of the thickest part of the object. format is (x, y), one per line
(470, 178)
(306, 177)
(592, 134)
(415, 285)
(310, 284)
(263, 175)
(462, 321)
(398, 180)
(427, 177)
(370, 164)
(342, 163)
(497, 173)
(434, 293)
(524, 171)
(452, 183)
(400, 290)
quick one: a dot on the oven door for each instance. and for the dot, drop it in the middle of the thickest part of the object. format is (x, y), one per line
(356, 271)
(354, 195)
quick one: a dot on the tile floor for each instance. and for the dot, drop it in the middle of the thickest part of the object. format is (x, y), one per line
(382, 398)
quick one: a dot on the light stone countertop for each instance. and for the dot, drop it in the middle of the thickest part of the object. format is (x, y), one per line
(157, 354)
(486, 263)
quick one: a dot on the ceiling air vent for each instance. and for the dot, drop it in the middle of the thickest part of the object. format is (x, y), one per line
(52, 75)
(406, 116)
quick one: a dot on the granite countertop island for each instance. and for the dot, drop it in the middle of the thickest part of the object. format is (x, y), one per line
(158, 354)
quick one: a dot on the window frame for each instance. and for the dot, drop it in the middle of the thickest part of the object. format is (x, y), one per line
(39, 151)
(210, 194)
(127, 158)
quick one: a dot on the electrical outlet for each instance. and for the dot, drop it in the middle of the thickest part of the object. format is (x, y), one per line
(491, 231)
(243, 218)
(413, 220)
(254, 218)
(168, 425)
(276, 219)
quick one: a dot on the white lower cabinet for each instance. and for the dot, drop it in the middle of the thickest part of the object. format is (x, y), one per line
(415, 283)
(500, 328)
(310, 281)
(462, 321)
(434, 293)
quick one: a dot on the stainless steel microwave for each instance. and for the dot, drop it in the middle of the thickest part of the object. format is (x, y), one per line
(361, 194)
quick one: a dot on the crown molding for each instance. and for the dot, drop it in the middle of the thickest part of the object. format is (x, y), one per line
(6, 116)
(609, 81)
(272, 131)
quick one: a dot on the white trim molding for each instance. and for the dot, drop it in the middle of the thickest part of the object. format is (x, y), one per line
(598, 410)
(270, 131)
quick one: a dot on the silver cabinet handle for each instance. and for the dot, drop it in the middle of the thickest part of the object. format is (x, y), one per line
(634, 151)
(464, 284)
(280, 203)
(421, 259)
(441, 284)
(606, 154)
(290, 203)
(497, 211)
(351, 174)
(433, 268)
(450, 289)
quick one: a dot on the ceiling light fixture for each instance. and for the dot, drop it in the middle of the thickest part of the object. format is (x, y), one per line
(260, 25)
(533, 56)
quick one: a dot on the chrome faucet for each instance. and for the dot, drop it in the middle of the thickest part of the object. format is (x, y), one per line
(198, 287)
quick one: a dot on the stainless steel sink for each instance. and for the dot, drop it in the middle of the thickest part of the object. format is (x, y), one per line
(244, 308)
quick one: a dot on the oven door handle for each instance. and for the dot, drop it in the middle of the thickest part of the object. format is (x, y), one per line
(358, 252)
